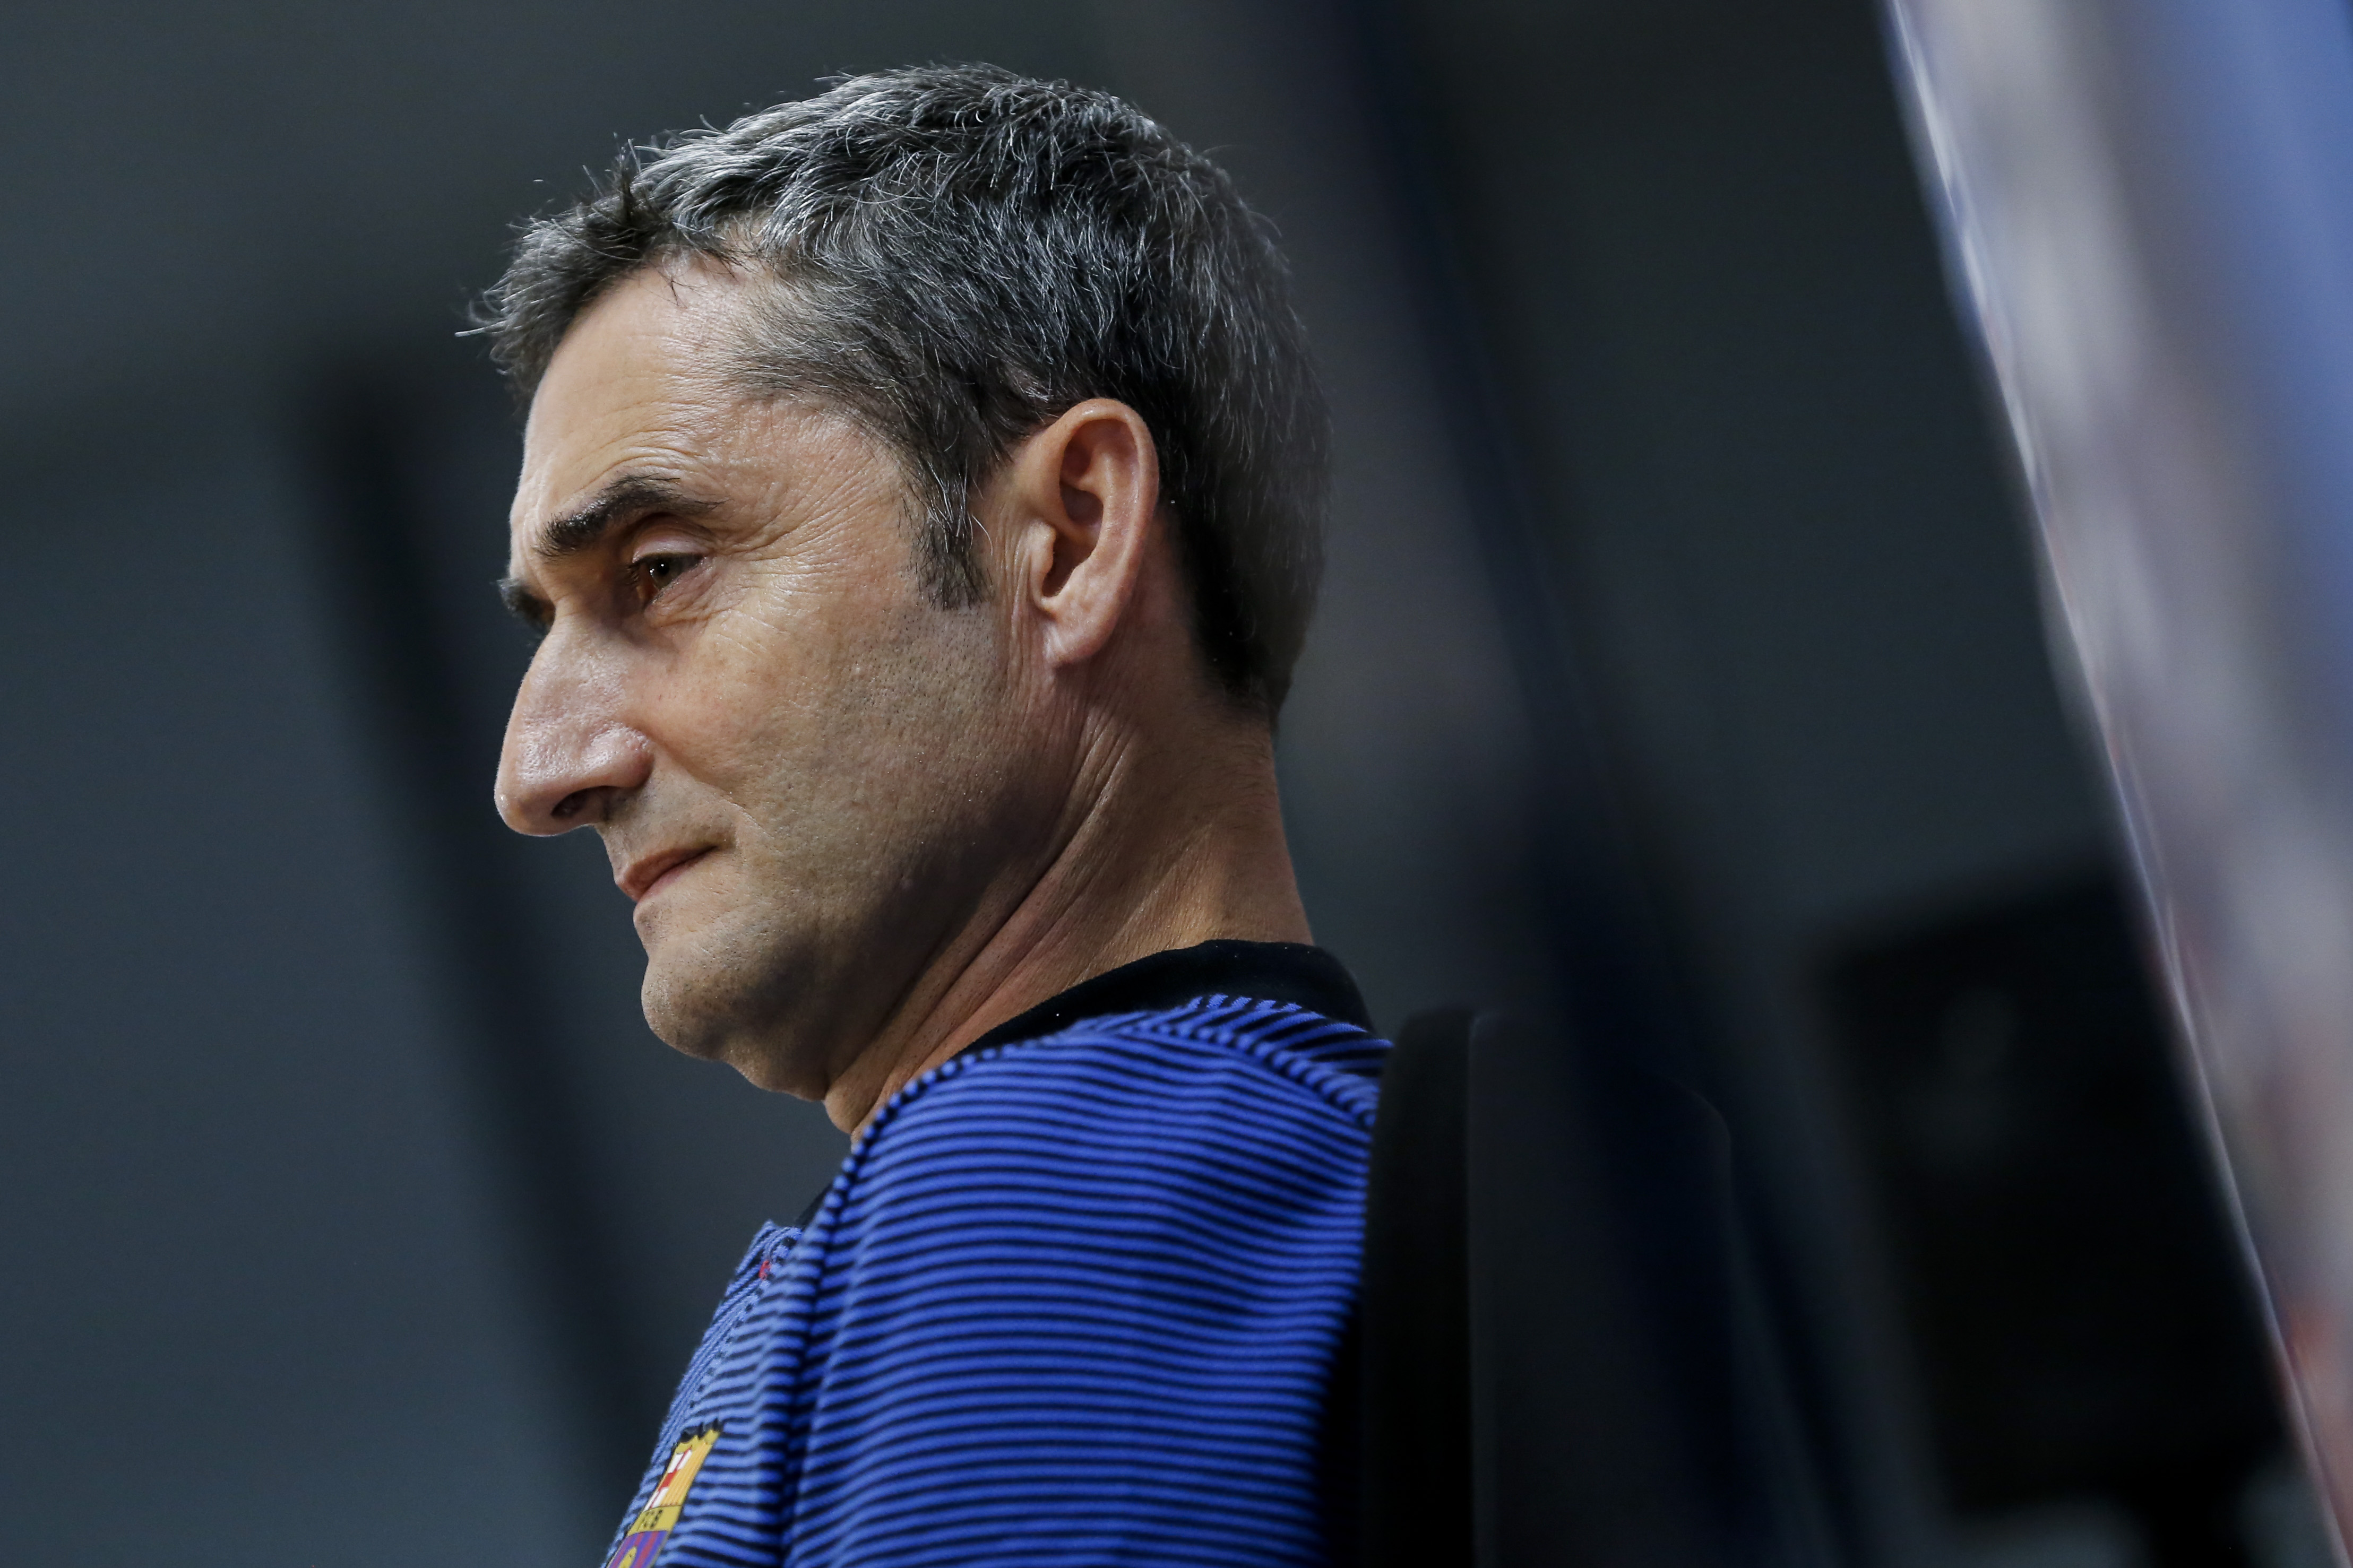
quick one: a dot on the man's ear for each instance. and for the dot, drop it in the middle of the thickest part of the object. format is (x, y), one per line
(1084, 494)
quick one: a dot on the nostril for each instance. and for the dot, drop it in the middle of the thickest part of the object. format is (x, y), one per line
(572, 805)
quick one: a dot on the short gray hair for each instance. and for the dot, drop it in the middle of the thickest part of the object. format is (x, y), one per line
(962, 255)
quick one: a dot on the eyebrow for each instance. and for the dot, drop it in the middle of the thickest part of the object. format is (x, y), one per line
(628, 496)
(631, 495)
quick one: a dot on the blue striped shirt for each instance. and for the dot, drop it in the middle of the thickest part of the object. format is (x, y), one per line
(1074, 1299)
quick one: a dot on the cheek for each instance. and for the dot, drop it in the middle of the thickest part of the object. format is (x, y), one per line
(757, 706)
(830, 684)
(718, 705)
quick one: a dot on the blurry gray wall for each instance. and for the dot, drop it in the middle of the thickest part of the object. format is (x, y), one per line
(1785, 540)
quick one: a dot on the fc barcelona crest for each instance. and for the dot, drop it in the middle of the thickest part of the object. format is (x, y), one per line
(659, 1516)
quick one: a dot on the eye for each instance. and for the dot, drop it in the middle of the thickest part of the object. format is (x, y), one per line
(652, 573)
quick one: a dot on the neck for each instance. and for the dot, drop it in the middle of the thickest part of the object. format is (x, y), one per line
(1172, 845)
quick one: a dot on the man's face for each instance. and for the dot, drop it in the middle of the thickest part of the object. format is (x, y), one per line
(794, 759)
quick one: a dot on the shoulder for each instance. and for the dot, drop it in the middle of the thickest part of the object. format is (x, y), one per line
(1222, 1105)
(1078, 1297)
(1236, 1064)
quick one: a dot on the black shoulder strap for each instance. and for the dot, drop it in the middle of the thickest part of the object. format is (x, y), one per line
(1562, 1363)
(1415, 1362)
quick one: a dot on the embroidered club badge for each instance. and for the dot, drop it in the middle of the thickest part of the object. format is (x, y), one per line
(659, 1516)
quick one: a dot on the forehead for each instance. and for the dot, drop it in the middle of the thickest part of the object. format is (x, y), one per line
(640, 382)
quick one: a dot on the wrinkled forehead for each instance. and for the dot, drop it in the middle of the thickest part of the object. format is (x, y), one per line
(641, 381)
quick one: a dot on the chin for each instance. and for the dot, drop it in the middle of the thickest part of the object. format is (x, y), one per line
(708, 1011)
(679, 1010)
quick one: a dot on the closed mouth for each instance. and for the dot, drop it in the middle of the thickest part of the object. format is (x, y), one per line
(647, 875)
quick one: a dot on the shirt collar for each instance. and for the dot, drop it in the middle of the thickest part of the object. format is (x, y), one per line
(1290, 972)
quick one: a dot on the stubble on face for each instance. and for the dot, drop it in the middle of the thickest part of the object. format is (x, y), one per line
(824, 777)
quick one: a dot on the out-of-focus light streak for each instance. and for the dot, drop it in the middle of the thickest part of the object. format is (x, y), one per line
(2149, 208)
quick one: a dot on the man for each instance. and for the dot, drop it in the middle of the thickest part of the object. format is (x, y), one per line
(921, 503)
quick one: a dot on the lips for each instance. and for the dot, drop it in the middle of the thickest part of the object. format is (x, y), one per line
(642, 877)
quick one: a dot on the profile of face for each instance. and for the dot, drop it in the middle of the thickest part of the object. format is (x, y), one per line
(807, 774)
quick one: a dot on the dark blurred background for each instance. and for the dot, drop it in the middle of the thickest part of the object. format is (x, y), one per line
(1681, 648)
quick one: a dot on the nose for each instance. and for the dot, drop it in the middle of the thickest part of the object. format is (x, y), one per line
(569, 757)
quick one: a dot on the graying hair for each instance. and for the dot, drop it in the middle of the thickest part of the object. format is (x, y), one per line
(959, 256)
